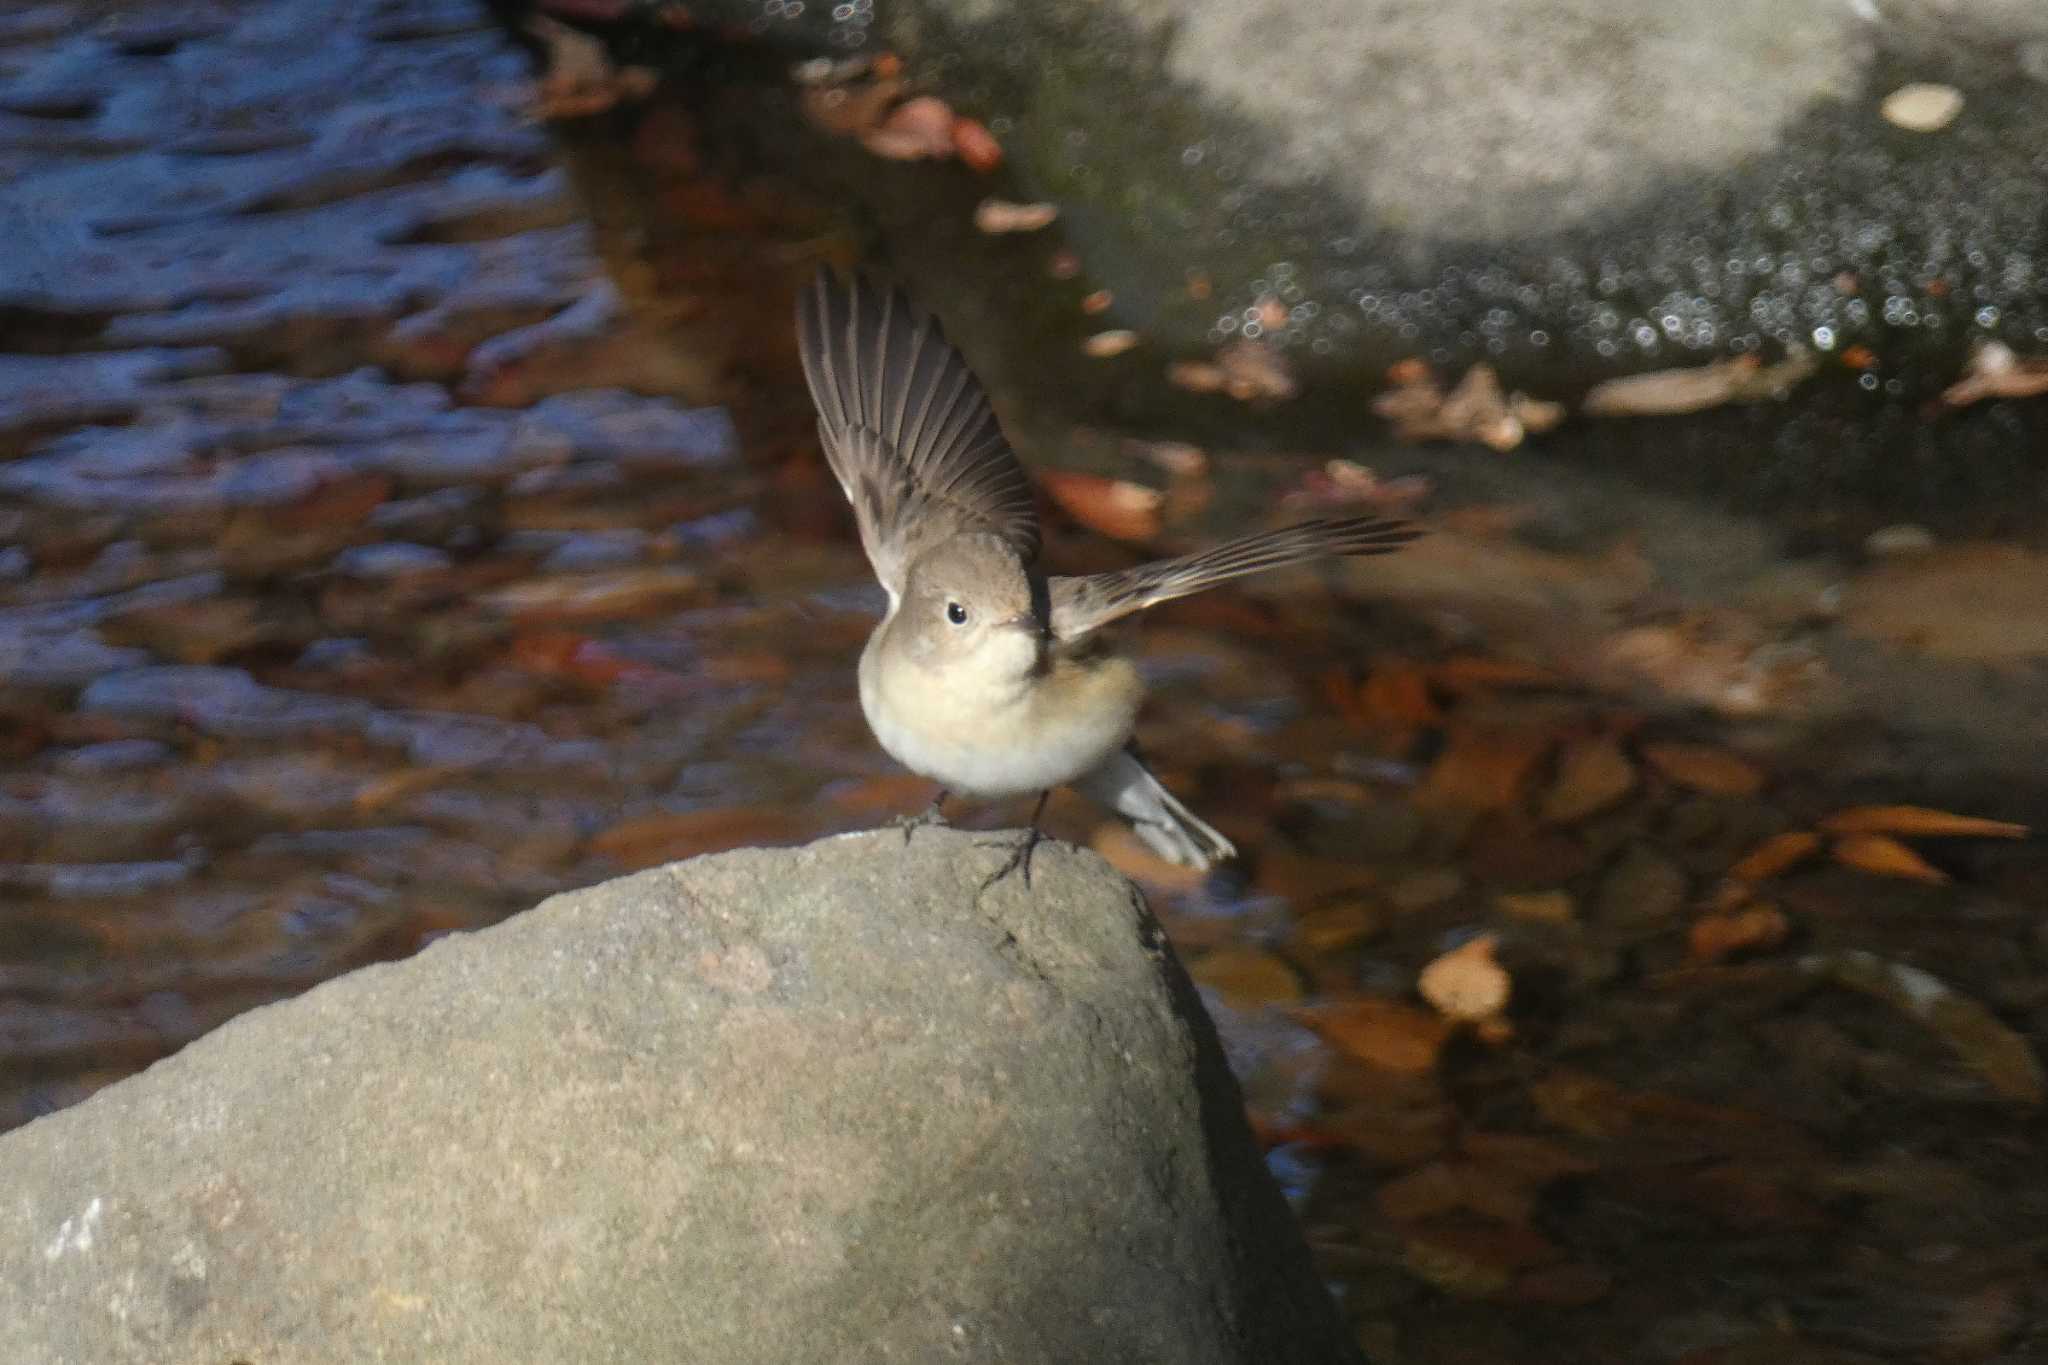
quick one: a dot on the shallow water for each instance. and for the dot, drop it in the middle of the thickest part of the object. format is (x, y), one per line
(293, 707)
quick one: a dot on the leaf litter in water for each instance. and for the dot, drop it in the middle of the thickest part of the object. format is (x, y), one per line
(1919, 822)
(1593, 775)
(1382, 1033)
(1753, 927)
(1884, 856)
(1705, 768)
(2001, 1056)
(1247, 976)
(1483, 768)
(1775, 856)
(1468, 983)
(1115, 508)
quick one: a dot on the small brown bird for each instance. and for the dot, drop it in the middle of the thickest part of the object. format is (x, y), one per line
(986, 676)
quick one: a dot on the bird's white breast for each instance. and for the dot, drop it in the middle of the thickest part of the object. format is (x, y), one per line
(995, 737)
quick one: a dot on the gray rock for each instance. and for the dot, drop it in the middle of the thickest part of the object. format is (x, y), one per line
(391, 559)
(115, 756)
(63, 657)
(596, 550)
(220, 701)
(821, 1104)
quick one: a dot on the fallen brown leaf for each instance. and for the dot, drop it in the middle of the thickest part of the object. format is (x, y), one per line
(1247, 976)
(914, 130)
(1775, 856)
(1102, 345)
(1995, 371)
(1381, 1033)
(1114, 507)
(1593, 775)
(1885, 856)
(1483, 768)
(1919, 822)
(1475, 410)
(1197, 376)
(1665, 393)
(1704, 768)
(1254, 369)
(1001, 215)
(976, 145)
(1714, 937)
(1468, 983)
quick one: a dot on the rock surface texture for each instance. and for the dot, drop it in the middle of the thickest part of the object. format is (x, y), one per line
(820, 1104)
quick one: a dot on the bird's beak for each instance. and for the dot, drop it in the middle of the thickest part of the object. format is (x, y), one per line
(1027, 622)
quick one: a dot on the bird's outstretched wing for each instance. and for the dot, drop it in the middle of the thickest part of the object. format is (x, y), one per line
(1080, 605)
(907, 428)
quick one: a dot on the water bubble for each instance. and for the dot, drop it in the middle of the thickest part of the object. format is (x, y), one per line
(1539, 337)
(1192, 156)
(1867, 382)
(1824, 338)
(1987, 316)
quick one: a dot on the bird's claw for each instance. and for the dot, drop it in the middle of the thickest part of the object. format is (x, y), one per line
(1019, 859)
(934, 814)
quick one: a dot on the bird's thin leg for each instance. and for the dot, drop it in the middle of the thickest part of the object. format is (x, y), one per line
(1020, 853)
(934, 814)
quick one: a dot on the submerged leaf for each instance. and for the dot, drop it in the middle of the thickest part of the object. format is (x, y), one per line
(1919, 822)
(1884, 856)
(1381, 1033)
(1468, 983)
(1705, 768)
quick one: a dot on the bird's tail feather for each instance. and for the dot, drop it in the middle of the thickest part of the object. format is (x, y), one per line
(1166, 826)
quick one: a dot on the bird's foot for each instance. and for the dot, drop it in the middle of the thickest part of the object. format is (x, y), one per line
(1019, 859)
(934, 814)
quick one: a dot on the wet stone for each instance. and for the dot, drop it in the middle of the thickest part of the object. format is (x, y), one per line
(612, 425)
(219, 701)
(392, 559)
(84, 881)
(443, 740)
(60, 659)
(335, 653)
(596, 550)
(114, 756)
(89, 821)
(430, 516)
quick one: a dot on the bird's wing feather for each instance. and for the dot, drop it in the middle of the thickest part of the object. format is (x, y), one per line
(907, 428)
(1081, 605)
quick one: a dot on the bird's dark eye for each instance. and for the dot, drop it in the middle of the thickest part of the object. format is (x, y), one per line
(956, 613)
